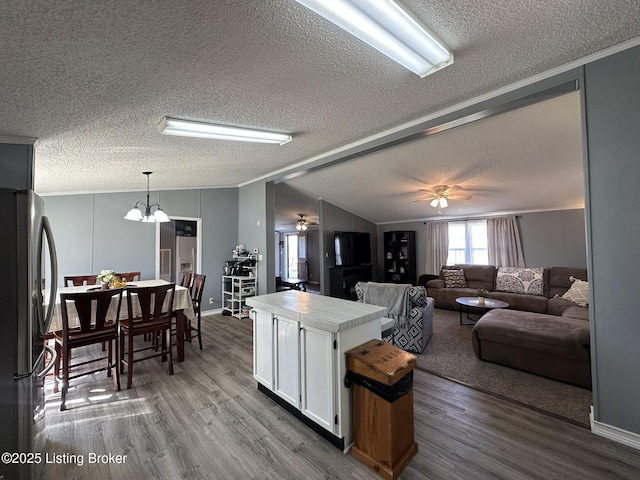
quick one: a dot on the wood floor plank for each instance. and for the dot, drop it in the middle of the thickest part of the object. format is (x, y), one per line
(208, 421)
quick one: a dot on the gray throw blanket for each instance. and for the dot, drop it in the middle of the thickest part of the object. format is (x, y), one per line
(393, 296)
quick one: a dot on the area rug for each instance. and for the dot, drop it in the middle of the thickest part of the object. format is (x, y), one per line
(449, 354)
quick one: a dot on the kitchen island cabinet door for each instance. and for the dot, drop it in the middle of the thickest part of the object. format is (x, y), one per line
(287, 358)
(263, 348)
(318, 355)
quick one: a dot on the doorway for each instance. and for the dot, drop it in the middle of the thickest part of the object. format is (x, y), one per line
(296, 256)
(178, 248)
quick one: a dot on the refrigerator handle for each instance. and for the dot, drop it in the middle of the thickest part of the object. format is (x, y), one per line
(54, 360)
(46, 227)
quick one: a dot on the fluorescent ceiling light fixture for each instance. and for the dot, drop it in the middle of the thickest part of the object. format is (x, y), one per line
(187, 128)
(389, 29)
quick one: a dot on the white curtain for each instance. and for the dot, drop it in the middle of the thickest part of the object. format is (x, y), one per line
(505, 249)
(437, 246)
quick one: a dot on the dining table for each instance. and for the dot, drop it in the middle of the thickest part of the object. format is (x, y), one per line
(182, 309)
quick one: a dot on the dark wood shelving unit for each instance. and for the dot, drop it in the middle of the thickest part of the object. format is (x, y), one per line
(400, 257)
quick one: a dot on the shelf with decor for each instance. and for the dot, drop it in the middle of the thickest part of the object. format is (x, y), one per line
(235, 291)
(400, 257)
(240, 284)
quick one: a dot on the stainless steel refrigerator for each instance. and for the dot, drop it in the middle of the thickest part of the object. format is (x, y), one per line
(28, 269)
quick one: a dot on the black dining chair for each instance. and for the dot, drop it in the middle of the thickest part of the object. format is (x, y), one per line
(197, 287)
(92, 327)
(149, 313)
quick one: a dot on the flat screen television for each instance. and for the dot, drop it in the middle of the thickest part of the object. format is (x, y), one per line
(352, 248)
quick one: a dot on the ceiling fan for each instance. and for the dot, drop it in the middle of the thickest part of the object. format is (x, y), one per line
(441, 194)
(301, 224)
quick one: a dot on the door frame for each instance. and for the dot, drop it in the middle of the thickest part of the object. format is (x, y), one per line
(198, 265)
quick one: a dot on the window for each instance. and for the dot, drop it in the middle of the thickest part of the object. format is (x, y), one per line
(468, 242)
(296, 256)
(292, 256)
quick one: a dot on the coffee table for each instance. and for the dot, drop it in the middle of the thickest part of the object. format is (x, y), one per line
(489, 304)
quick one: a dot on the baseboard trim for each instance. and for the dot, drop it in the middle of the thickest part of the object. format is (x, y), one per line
(616, 434)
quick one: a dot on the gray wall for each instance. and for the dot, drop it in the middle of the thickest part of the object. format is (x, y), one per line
(16, 162)
(254, 233)
(613, 168)
(554, 238)
(332, 219)
(313, 256)
(91, 234)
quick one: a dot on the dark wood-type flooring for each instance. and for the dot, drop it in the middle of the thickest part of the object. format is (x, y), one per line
(208, 421)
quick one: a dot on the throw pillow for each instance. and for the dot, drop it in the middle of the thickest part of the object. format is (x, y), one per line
(454, 278)
(578, 293)
(520, 280)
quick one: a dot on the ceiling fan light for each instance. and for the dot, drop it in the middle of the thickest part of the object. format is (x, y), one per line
(443, 202)
(434, 202)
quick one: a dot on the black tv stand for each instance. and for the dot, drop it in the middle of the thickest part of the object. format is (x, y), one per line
(342, 280)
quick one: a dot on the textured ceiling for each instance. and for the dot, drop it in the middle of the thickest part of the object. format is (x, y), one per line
(521, 160)
(92, 80)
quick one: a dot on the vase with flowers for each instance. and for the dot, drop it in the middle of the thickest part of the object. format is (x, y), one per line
(106, 278)
(482, 294)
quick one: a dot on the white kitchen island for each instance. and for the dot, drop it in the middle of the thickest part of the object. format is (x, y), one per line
(299, 345)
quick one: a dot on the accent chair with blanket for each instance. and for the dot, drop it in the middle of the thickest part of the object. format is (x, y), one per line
(408, 306)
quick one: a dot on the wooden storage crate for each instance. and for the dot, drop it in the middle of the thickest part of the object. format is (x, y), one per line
(381, 376)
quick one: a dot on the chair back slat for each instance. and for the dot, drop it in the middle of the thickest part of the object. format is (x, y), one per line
(197, 287)
(92, 309)
(186, 279)
(80, 280)
(151, 301)
(129, 276)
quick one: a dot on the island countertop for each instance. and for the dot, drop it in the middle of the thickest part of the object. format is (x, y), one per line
(326, 313)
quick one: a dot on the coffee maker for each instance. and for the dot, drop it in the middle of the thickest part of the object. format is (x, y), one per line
(231, 267)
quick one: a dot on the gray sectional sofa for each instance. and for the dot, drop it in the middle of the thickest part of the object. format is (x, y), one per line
(556, 281)
(540, 333)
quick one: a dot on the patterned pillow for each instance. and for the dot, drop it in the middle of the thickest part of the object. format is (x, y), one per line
(578, 293)
(520, 280)
(454, 278)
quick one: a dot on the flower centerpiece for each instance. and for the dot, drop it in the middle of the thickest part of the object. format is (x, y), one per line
(481, 293)
(106, 278)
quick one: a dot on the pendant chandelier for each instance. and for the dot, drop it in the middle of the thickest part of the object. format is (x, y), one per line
(136, 214)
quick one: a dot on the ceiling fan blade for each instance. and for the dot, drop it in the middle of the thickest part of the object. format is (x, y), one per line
(453, 188)
(460, 197)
